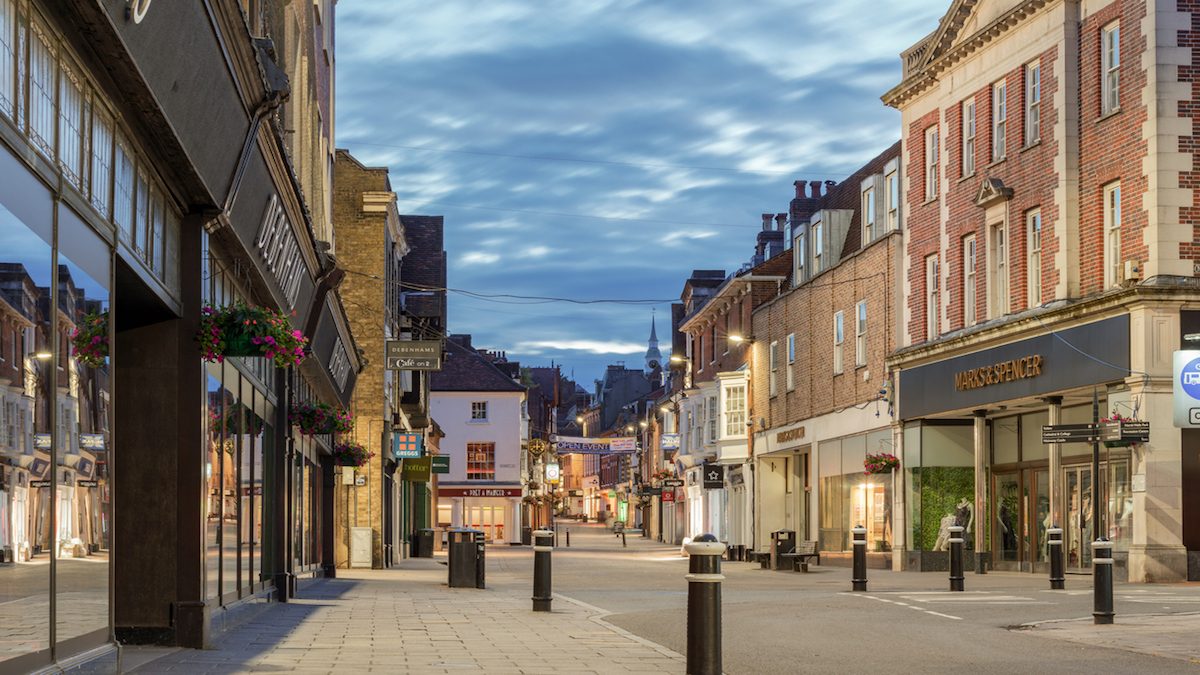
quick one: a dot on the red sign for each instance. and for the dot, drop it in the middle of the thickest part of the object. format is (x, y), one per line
(668, 495)
(479, 492)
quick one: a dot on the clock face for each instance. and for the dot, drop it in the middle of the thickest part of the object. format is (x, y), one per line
(653, 363)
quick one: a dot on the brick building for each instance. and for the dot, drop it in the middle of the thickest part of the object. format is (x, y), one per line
(1049, 253)
(818, 370)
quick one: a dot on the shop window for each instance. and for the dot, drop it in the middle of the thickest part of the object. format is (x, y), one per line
(940, 478)
(481, 461)
(1032, 447)
(1005, 449)
(848, 497)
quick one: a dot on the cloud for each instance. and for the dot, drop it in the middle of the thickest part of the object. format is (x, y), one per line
(590, 346)
(479, 258)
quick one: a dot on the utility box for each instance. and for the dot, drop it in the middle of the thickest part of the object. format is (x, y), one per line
(361, 541)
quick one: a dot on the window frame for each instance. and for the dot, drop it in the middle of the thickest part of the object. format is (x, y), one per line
(860, 334)
(999, 120)
(790, 355)
(818, 242)
(475, 417)
(970, 250)
(932, 189)
(999, 300)
(839, 338)
(1112, 233)
(773, 368)
(1033, 101)
(1033, 256)
(933, 297)
(735, 417)
(891, 189)
(969, 132)
(1110, 68)
(799, 253)
(481, 460)
(868, 217)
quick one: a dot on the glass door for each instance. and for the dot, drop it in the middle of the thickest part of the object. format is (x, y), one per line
(1008, 507)
(1041, 518)
(1078, 529)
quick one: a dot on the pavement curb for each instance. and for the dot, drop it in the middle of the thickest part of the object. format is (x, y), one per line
(597, 616)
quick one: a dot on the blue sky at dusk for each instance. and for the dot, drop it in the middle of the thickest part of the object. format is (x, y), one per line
(603, 149)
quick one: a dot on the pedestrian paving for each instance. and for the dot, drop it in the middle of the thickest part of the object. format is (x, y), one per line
(1168, 635)
(406, 620)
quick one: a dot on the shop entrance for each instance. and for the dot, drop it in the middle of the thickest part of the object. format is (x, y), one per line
(487, 519)
(1078, 531)
(1020, 517)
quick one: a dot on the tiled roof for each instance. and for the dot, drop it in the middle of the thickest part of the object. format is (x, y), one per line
(465, 369)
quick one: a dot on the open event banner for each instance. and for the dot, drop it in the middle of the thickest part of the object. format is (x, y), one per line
(574, 445)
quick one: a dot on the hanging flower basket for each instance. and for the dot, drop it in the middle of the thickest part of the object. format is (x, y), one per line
(884, 462)
(350, 454)
(237, 419)
(242, 330)
(319, 418)
(89, 340)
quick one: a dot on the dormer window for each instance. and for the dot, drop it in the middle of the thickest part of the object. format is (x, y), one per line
(818, 246)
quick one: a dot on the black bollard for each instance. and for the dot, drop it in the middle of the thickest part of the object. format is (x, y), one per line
(1102, 581)
(556, 535)
(543, 544)
(1054, 541)
(859, 580)
(623, 544)
(568, 539)
(956, 557)
(704, 605)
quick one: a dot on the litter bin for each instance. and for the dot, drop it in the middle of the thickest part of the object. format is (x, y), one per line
(480, 559)
(782, 541)
(422, 546)
(526, 536)
(463, 558)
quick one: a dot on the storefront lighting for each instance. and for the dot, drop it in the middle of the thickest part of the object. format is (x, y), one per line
(643, 424)
(43, 356)
(1191, 337)
(666, 409)
(675, 358)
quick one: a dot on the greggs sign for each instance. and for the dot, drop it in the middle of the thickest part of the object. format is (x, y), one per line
(999, 373)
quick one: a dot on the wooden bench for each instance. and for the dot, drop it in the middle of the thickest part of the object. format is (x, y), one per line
(806, 550)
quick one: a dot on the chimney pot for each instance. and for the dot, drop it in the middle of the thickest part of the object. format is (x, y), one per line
(800, 189)
(766, 221)
(815, 186)
(780, 221)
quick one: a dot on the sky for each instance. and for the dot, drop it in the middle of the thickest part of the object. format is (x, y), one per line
(603, 149)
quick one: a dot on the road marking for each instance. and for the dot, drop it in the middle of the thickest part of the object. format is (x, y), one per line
(956, 618)
(904, 604)
(970, 597)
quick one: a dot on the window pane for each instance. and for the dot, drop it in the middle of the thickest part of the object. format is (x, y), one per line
(101, 181)
(71, 126)
(8, 26)
(41, 91)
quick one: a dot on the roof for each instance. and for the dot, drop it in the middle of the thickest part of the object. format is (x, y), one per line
(465, 369)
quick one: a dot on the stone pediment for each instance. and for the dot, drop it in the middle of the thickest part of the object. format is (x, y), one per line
(992, 191)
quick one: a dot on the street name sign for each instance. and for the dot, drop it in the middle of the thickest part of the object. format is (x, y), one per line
(1068, 433)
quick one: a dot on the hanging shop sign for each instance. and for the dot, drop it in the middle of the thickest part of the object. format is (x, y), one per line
(668, 494)
(407, 446)
(479, 492)
(1040, 365)
(440, 463)
(41, 441)
(553, 473)
(93, 442)
(87, 483)
(574, 445)
(575, 493)
(1186, 385)
(714, 476)
(669, 442)
(413, 355)
(416, 470)
(672, 482)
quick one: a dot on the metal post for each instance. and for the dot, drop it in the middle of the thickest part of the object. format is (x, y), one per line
(858, 581)
(543, 545)
(1102, 581)
(623, 544)
(1054, 540)
(556, 535)
(1097, 528)
(704, 605)
(956, 557)
(568, 538)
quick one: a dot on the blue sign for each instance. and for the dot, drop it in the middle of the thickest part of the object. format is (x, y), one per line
(1189, 378)
(407, 446)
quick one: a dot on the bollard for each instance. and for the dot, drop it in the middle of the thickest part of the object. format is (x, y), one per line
(623, 544)
(704, 605)
(543, 544)
(1054, 541)
(859, 580)
(956, 557)
(1102, 581)
(568, 539)
(556, 535)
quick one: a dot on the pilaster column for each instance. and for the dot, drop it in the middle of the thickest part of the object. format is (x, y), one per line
(1056, 473)
(456, 512)
(899, 501)
(980, 535)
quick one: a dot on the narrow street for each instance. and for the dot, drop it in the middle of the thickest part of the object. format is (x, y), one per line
(622, 609)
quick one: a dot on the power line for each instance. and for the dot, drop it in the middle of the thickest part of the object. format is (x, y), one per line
(558, 214)
(512, 298)
(576, 160)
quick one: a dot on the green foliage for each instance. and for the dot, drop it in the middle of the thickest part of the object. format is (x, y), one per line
(941, 488)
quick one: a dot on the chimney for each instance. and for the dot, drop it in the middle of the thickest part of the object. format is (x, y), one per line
(766, 221)
(780, 221)
(815, 186)
(800, 191)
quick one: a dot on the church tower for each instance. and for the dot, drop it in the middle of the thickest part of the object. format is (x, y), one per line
(653, 356)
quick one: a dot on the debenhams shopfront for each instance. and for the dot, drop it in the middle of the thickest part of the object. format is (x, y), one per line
(143, 491)
(972, 409)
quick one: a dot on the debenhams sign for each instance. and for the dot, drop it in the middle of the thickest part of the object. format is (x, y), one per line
(999, 373)
(276, 243)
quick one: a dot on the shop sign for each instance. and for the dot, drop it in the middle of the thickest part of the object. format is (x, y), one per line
(1040, 365)
(479, 492)
(668, 494)
(339, 364)
(87, 483)
(790, 435)
(413, 355)
(91, 441)
(1186, 384)
(575, 493)
(553, 473)
(440, 463)
(416, 470)
(669, 442)
(279, 250)
(574, 445)
(39, 483)
(714, 476)
(998, 373)
(407, 446)
(672, 482)
(41, 441)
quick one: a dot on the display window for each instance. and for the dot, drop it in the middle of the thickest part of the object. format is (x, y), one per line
(850, 497)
